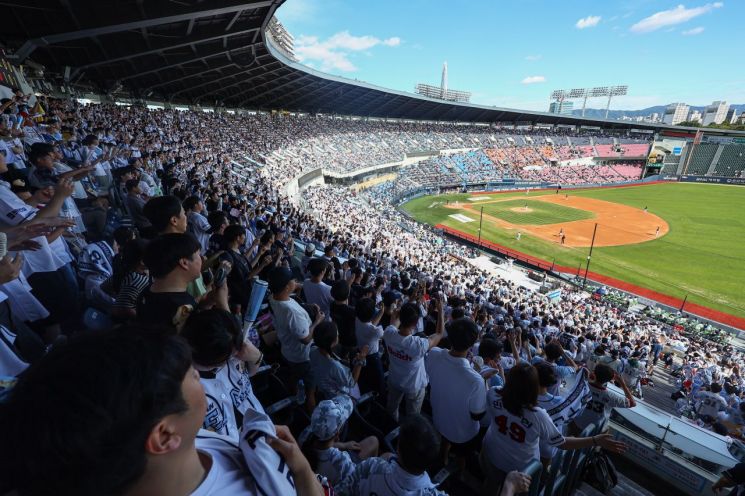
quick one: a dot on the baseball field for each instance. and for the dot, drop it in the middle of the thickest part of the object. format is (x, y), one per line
(681, 240)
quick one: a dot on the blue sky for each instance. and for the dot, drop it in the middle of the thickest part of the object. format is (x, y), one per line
(513, 53)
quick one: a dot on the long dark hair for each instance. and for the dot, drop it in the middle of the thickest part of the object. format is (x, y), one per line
(129, 258)
(520, 389)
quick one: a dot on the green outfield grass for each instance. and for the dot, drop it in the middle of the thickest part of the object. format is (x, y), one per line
(702, 256)
(540, 212)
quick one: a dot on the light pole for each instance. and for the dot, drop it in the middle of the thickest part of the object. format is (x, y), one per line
(589, 255)
(481, 220)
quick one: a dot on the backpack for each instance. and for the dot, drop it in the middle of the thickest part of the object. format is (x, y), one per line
(600, 472)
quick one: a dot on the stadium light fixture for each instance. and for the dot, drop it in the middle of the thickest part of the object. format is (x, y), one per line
(585, 93)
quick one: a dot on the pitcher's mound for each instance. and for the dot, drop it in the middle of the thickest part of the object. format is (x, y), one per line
(521, 210)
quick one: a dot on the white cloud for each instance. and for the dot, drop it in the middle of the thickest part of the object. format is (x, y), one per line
(533, 58)
(588, 22)
(534, 79)
(693, 32)
(333, 53)
(677, 15)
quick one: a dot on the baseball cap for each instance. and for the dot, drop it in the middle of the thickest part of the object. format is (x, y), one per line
(329, 416)
(310, 248)
(279, 277)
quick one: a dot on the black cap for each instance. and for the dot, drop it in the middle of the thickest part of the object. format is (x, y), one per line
(279, 278)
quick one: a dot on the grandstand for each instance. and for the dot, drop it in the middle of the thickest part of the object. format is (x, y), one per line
(200, 295)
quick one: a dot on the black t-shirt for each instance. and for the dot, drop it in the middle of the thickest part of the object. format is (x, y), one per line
(343, 316)
(160, 308)
(239, 285)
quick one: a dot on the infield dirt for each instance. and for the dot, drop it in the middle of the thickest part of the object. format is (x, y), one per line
(617, 224)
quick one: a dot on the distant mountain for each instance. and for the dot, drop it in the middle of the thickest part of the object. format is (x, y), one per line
(593, 113)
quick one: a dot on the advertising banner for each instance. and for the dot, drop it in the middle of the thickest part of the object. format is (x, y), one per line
(737, 181)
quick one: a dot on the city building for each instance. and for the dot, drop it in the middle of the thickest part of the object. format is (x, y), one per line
(695, 116)
(715, 113)
(675, 113)
(563, 107)
(731, 116)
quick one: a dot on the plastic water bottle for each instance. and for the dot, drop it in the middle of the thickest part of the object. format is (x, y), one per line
(300, 396)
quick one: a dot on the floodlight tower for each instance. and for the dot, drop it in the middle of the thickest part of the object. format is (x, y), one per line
(585, 93)
(615, 91)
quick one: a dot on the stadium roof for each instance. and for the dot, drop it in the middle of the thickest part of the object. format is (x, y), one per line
(214, 53)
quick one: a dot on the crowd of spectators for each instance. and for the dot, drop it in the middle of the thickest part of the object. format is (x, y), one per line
(564, 165)
(137, 341)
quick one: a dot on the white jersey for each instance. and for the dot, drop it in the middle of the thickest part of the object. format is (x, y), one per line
(710, 403)
(599, 407)
(229, 395)
(13, 212)
(511, 440)
(376, 476)
(631, 374)
(249, 468)
(406, 355)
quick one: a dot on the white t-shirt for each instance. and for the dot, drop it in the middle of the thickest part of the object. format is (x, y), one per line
(368, 334)
(512, 441)
(23, 304)
(710, 403)
(228, 391)
(406, 370)
(13, 211)
(456, 392)
(293, 324)
(599, 408)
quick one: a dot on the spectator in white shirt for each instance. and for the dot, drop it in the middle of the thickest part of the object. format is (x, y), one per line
(518, 424)
(294, 328)
(457, 391)
(407, 377)
(710, 403)
(598, 409)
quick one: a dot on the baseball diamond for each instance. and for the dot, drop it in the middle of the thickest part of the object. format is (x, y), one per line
(698, 225)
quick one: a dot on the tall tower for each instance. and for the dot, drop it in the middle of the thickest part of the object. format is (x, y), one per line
(444, 80)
